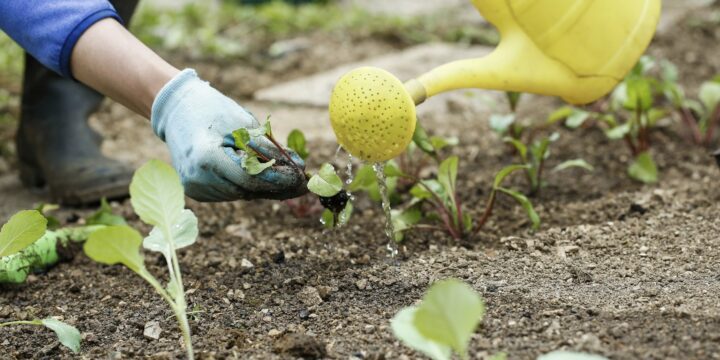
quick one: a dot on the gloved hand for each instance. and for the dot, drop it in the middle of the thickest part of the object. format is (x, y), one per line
(196, 121)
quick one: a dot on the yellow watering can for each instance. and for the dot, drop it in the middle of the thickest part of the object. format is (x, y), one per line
(575, 49)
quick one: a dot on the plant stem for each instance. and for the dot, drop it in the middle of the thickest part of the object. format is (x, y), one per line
(690, 122)
(22, 322)
(178, 306)
(259, 154)
(283, 152)
(488, 211)
(712, 124)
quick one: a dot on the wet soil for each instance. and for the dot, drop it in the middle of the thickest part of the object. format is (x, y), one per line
(620, 269)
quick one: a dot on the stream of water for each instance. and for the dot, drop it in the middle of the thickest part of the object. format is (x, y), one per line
(389, 228)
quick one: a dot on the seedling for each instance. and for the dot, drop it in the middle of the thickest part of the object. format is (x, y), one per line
(532, 153)
(254, 161)
(68, 335)
(443, 323)
(516, 195)
(700, 117)
(441, 193)
(328, 185)
(30, 246)
(158, 199)
(631, 113)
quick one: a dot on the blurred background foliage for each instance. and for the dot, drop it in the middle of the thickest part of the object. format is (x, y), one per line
(238, 29)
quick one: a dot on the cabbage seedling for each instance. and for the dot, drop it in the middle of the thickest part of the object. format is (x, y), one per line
(443, 323)
(29, 246)
(328, 185)
(158, 199)
(68, 335)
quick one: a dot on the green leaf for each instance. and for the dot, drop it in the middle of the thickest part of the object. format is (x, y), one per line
(267, 128)
(242, 138)
(392, 170)
(326, 182)
(576, 163)
(421, 192)
(569, 355)
(519, 146)
(116, 245)
(105, 216)
(440, 143)
(404, 220)
(447, 173)
(184, 233)
(23, 229)
(526, 205)
(560, 114)
(643, 169)
(577, 119)
(364, 178)
(501, 123)
(710, 95)
(467, 222)
(68, 335)
(296, 142)
(252, 164)
(449, 314)
(156, 194)
(404, 329)
(52, 222)
(618, 132)
(421, 139)
(502, 174)
(328, 218)
(639, 94)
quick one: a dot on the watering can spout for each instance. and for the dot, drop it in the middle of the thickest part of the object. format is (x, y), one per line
(575, 49)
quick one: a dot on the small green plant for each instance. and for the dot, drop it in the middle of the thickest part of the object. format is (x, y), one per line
(700, 117)
(328, 185)
(532, 152)
(631, 113)
(445, 320)
(158, 199)
(443, 323)
(68, 335)
(441, 193)
(520, 198)
(33, 241)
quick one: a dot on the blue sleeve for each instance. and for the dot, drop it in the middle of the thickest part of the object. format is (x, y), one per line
(49, 30)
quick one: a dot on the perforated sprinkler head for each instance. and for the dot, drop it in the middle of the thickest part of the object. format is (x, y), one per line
(372, 114)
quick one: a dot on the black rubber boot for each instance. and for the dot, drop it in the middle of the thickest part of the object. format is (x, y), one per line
(55, 144)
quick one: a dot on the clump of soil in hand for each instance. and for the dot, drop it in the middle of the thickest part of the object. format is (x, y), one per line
(336, 203)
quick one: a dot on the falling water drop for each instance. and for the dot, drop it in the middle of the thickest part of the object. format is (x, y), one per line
(389, 228)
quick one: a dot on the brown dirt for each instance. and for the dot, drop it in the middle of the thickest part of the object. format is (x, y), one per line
(619, 269)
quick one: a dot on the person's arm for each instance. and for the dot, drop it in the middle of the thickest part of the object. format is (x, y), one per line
(112, 61)
(84, 39)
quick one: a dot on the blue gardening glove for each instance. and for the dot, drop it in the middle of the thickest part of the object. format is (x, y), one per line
(196, 121)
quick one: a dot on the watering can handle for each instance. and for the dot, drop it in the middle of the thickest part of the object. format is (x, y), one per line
(576, 49)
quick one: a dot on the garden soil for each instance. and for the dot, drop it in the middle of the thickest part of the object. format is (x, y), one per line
(617, 268)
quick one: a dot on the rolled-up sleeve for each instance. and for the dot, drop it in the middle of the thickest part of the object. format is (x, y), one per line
(49, 30)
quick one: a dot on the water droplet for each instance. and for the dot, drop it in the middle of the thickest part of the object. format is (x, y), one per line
(389, 228)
